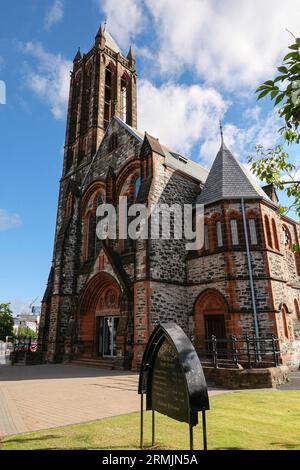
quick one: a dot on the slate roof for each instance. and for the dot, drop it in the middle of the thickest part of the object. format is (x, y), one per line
(172, 159)
(110, 42)
(228, 179)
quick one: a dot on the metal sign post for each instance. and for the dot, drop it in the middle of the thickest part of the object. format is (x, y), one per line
(172, 379)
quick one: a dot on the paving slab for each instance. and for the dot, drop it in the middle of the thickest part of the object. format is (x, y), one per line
(46, 396)
(294, 382)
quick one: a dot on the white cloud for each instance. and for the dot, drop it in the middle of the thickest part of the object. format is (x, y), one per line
(179, 115)
(125, 19)
(54, 14)
(9, 221)
(242, 141)
(49, 78)
(232, 43)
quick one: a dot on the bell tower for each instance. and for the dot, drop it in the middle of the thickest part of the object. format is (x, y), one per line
(103, 84)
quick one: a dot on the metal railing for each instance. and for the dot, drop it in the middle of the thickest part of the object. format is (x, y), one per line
(25, 344)
(247, 351)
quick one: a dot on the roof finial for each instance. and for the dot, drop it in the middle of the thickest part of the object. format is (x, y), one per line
(221, 130)
(105, 22)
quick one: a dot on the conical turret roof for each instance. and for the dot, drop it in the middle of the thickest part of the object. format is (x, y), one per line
(228, 179)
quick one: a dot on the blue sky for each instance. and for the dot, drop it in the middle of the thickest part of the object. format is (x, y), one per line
(198, 61)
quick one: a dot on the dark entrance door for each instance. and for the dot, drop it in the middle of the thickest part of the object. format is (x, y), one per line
(215, 326)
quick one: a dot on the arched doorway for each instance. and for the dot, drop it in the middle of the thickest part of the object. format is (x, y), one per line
(210, 315)
(100, 317)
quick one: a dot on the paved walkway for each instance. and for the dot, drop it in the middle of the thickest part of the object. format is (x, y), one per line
(294, 383)
(47, 396)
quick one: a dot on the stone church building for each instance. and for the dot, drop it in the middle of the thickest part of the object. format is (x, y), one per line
(104, 297)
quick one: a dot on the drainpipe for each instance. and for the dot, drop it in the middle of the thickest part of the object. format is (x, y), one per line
(251, 279)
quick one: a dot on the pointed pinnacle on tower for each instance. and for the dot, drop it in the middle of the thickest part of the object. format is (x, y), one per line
(100, 37)
(131, 57)
(221, 132)
(77, 57)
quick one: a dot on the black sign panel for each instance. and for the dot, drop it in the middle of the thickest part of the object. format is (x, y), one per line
(171, 375)
(168, 388)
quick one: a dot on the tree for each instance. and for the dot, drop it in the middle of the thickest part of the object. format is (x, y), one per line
(274, 165)
(26, 332)
(6, 322)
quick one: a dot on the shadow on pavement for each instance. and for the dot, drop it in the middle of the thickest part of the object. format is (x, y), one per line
(56, 371)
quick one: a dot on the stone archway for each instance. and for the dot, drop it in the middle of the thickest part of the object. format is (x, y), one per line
(210, 317)
(103, 320)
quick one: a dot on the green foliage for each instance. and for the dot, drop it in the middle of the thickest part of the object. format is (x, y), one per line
(285, 90)
(26, 332)
(6, 322)
(273, 165)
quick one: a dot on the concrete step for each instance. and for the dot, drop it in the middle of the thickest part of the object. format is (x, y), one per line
(90, 362)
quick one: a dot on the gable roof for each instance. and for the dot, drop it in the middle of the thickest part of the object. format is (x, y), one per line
(228, 179)
(155, 144)
(172, 159)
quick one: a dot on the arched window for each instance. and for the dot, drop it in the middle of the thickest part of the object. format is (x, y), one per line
(137, 185)
(268, 232)
(91, 200)
(69, 205)
(206, 237)
(284, 321)
(274, 230)
(90, 252)
(98, 241)
(108, 96)
(124, 98)
(87, 85)
(253, 232)
(74, 110)
(297, 309)
(234, 232)
(219, 234)
(297, 261)
(286, 237)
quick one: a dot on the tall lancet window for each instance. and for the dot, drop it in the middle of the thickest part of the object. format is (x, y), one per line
(108, 98)
(124, 98)
(90, 253)
(98, 241)
(87, 99)
(75, 109)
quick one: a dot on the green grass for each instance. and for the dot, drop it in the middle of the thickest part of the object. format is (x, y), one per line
(243, 420)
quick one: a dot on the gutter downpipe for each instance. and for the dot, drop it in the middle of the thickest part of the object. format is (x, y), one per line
(256, 328)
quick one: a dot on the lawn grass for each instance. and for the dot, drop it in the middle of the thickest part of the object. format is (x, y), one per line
(243, 420)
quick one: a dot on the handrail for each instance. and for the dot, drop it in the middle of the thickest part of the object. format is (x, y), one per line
(248, 351)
